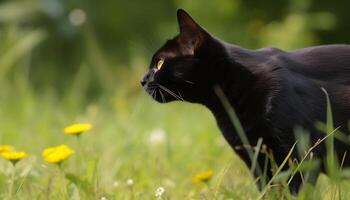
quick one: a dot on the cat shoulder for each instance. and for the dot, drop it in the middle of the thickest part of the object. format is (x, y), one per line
(271, 55)
(270, 51)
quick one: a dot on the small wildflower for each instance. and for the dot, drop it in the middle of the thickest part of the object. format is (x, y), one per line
(104, 198)
(5, 148)
(77, 129)
(116, 184)
(77, 17)
(130, 182)
(159, 192)
(202, 176)
(157, 136)
(14, 156)
(57, 154)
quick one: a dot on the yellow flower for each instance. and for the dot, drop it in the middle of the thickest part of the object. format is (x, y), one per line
(14, 156)
(203, 176)
(77, 129)
(57, 154)
(5, 148)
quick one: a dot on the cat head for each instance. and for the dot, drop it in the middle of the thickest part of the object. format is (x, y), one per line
(182, 68)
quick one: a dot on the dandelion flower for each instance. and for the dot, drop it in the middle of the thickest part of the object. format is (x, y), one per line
(203, 176)
(77, 129)
(5, 148)
(14, 156)
(57, 154)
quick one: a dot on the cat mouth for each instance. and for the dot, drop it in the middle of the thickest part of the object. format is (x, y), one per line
(161, 93)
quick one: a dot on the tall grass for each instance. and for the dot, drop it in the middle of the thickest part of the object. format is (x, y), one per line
(308, 167)
(135, 146)
(120, 147)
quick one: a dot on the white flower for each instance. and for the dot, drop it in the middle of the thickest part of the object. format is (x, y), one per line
(159, 192)
(116, 184)
(77, 17)
(130, 182)
(157, 136)
(104, 198)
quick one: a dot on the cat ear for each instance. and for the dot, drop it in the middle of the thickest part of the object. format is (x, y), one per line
(190, 31)
(186, 23)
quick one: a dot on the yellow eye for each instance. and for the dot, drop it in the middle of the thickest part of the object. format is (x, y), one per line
(159, 64)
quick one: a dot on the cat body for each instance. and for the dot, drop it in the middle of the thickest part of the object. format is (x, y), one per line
(272, 91)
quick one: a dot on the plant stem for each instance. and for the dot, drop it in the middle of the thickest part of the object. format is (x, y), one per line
(12, 180)
(62, 175)
(81, 150)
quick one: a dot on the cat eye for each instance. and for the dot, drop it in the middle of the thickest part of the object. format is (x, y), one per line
(159, 64)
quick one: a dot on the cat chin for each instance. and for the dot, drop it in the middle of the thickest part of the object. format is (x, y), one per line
(164, 101)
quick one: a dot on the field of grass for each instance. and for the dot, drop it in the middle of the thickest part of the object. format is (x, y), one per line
(135, 146)
(132, 138)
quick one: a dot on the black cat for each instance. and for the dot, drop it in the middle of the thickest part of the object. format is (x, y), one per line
(272, 91)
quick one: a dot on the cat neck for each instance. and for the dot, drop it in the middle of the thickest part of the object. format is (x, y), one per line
(248, 90)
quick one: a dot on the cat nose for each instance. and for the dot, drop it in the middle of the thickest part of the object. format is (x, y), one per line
(144, 79)
(143, 82)
(147, 78)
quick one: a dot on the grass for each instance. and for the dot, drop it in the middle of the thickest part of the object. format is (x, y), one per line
(133, 138)
(120, 146)
(136, 145)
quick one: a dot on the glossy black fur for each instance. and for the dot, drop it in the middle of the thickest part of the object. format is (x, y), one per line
(272, 91)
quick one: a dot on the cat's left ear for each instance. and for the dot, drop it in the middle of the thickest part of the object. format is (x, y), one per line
(190, 32)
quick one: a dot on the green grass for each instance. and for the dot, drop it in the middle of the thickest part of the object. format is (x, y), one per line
(120, 147)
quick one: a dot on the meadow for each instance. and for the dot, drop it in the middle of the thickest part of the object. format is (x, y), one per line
(135, 147)
(151, 144)
(64, 62)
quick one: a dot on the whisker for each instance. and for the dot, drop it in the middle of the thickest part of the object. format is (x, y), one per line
(187, 81)
(152, 86)
(161, 94)
(153, 93)
(179, 94)
(171, 93)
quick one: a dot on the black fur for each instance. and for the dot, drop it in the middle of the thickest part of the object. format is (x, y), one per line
(272, 91)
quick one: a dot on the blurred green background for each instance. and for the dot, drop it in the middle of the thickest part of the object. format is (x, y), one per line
(64, 61)
(49, 42)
